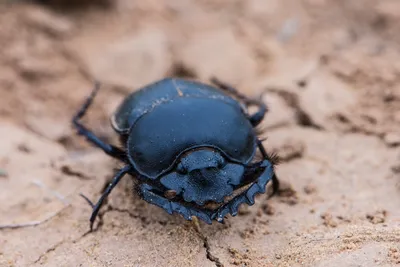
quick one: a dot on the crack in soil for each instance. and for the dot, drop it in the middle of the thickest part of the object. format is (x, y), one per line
(67, 170)
(53, 248)
(111, 208)
(133, 216)
(292, 100)
(354, 127)
(126, 211)
(49, 250)
(210, 256)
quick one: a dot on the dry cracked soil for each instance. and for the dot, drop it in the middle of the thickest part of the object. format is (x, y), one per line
(329, 72)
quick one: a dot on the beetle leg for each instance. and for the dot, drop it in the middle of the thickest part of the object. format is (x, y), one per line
(255, 118)
(258, 187)
(147, 192)
(82, 130)
(275, 180)
(150, 194)
(96, 207)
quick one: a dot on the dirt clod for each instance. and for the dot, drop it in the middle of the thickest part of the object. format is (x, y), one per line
(310, 189)
(377, 217)
(3, 173)
(244, 210)
(268, 209)
(24, 148)
(392, 139)
(394, 255)
(290, 150)
(238, 258)
(287, 194)
(328, 220)
(396, 168)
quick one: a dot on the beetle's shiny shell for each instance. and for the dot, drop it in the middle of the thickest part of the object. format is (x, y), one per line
(169, 117)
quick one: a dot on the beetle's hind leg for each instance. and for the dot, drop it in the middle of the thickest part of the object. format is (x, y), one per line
(255, 118)
(90, 136)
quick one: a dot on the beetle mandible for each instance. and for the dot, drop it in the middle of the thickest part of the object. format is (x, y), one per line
(191, 146)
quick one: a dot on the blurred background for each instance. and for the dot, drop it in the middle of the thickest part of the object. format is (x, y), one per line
(329, 71)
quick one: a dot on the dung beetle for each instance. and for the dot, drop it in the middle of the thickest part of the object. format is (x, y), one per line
(191, 147)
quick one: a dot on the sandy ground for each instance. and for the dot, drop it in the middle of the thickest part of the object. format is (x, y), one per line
(331, 76)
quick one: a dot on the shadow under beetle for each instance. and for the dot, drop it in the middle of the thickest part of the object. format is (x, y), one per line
(191, 146)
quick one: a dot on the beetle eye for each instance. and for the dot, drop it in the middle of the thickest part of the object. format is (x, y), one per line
(181, 169)
(221, 163)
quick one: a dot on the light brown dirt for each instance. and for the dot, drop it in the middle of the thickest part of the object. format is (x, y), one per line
(330, 73)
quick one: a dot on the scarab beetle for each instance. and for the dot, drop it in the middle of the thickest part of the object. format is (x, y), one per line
(191, 146)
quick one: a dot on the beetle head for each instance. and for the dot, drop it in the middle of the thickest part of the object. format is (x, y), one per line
(203, 175)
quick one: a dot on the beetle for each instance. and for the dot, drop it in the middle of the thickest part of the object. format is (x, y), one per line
(190, 145)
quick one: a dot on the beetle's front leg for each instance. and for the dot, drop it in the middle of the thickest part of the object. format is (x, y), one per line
(258, 187)
(275, 180)
(82, 130)
(153, 196)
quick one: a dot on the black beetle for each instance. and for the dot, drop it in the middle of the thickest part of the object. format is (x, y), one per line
(191, 146)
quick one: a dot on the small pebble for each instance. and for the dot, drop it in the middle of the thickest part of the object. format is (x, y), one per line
(310, 189)
(268, 209)
(3, 173)
(396, 168)
(392, 139)
(377, 217)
